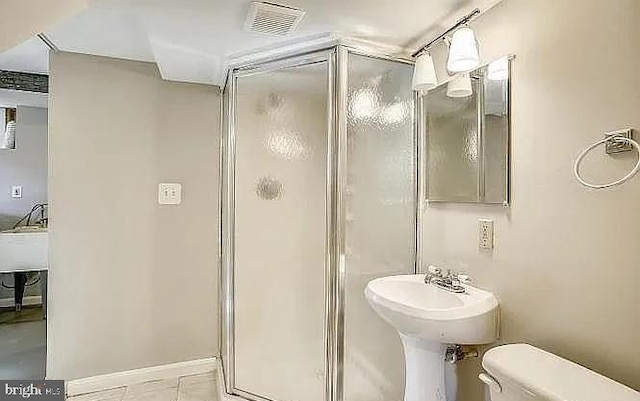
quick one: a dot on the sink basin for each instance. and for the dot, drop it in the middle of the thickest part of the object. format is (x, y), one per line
(431, 313)
(428, 318)
(25, 229)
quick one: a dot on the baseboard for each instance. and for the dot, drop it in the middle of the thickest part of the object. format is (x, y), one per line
(26, 301)
(222, 391)
(129, 377)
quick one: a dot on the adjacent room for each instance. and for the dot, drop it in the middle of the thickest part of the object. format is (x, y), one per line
(23, 225)
(237, 200)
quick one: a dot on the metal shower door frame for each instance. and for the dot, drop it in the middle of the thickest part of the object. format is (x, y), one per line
(228, 212)
(336, 56)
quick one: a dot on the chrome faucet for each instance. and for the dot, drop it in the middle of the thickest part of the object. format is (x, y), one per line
(39, 208)
(450, 281)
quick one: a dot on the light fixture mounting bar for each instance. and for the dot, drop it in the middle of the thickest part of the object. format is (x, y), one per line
(462, 21)
(48, 42)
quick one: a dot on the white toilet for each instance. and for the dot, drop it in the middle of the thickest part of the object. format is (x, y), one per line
(521, 372)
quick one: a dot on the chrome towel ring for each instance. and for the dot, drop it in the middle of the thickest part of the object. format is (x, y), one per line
(614, 138)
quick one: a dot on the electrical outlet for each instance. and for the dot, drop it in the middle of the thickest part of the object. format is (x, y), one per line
(485, 234)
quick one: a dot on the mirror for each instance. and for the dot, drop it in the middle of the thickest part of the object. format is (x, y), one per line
(467, 129)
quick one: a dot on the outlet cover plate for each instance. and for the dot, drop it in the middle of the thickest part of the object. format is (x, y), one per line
(169, 193)
(485, 234)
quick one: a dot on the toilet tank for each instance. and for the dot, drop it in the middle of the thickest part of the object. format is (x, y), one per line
(521, 372)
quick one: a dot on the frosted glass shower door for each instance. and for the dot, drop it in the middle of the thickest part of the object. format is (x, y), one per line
(281, 144)
(380, 223)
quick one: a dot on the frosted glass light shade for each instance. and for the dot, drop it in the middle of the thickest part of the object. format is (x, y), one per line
(424, 73)
(463, 53)
(460, 86)
(498, 70)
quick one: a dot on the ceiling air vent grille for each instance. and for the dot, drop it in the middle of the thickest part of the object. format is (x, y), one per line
(272, 19)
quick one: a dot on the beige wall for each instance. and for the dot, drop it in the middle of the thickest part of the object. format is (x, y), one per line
(26, 165)
(132, 283)
(566, 266)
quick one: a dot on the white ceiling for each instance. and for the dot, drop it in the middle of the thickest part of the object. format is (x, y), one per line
(191, 40)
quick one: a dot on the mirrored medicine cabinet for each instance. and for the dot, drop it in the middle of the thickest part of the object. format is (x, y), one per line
(467, 136)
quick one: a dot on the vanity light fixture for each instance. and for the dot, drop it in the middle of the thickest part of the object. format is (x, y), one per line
(424, 73)
(460, 86)
(463, 53)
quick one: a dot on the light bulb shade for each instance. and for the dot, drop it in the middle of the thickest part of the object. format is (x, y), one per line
(463, 53)
(424, 73)
(460, 86)
(498, 70)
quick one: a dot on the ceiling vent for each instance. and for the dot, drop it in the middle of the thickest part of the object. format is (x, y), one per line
(272, 19)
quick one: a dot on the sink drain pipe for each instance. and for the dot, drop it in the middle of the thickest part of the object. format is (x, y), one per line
(456, 353)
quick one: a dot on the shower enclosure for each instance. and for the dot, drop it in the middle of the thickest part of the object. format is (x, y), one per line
(319, 196)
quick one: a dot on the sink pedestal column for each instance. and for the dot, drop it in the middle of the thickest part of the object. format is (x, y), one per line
(424, 369)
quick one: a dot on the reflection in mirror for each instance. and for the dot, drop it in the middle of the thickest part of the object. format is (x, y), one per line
(467, 136)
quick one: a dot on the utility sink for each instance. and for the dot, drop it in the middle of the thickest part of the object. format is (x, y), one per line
(429, 318)
(23, 249)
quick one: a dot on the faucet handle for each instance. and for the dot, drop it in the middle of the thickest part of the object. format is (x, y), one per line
(435, 270)
(464, 279)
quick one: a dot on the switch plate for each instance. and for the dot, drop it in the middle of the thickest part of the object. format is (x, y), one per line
(169, 193)
(485, 234)
(16, 191)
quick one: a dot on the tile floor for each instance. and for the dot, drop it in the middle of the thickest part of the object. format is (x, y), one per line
(200, 387)
(23, 350)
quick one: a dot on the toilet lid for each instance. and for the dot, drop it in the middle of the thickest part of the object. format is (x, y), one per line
(550, 377)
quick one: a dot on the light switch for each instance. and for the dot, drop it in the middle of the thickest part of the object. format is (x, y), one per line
(16, 191)
(169, 193)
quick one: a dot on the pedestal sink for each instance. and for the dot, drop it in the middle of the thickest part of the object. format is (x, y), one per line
(429, 318)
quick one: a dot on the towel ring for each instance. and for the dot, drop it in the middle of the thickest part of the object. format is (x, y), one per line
(636, 168)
